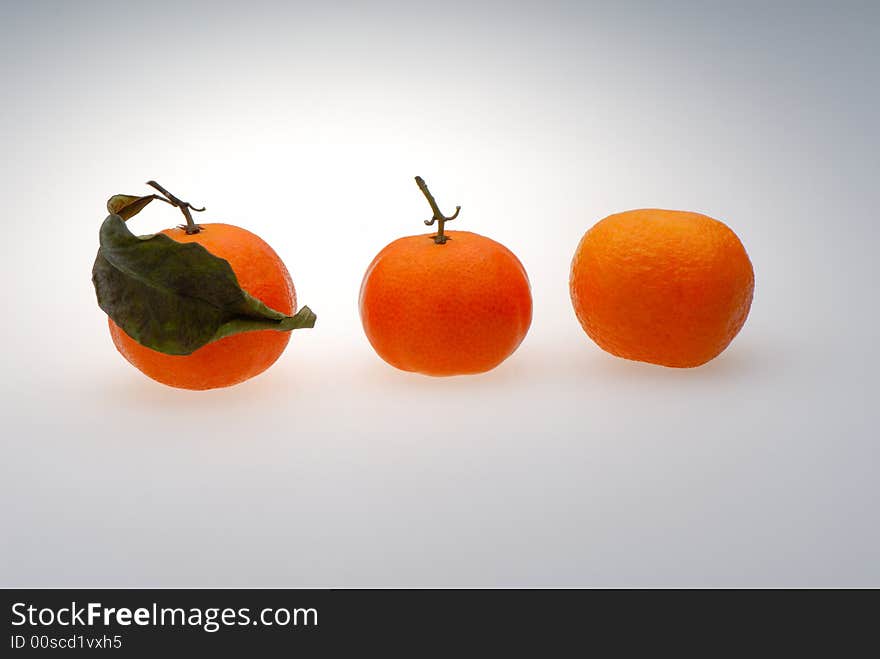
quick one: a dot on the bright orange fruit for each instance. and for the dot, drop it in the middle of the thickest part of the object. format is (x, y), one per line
(232, 359)
(456, 308)
(667, 287)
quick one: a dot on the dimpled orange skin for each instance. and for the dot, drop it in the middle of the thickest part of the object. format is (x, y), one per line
(666, 287)
(453, 309)
(236, 358)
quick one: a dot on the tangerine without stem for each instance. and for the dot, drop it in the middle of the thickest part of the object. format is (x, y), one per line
(232, 359)
(666, 287)
(451, 303)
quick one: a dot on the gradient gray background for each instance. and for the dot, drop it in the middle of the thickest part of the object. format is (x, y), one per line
(565, 466)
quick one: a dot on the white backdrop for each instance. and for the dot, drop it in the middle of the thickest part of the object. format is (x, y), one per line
(565, 466)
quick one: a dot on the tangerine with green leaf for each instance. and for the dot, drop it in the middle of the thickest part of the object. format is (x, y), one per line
(450, 303)
(199, 306)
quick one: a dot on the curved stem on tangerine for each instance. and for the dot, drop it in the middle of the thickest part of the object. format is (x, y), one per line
(184, 206)
(438, 217)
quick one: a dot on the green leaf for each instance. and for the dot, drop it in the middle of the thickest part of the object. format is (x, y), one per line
(176, 297)
(127, 206)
